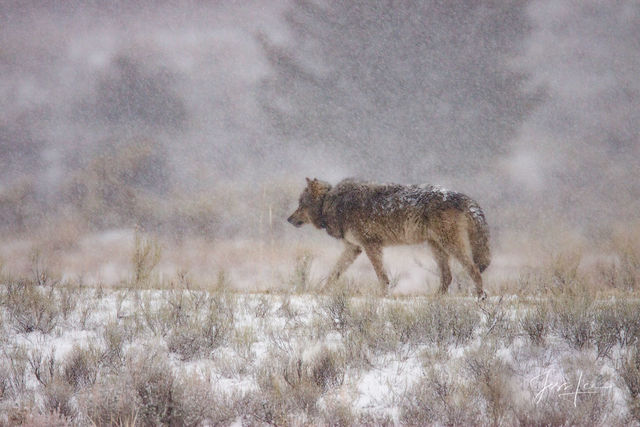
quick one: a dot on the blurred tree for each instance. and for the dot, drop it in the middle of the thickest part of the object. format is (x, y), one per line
(123, 185)
(20, 151)
(587, 54)
(132, 93)
(408, 85)
(19, 207)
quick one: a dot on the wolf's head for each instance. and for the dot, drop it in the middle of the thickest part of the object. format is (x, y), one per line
(310, 204)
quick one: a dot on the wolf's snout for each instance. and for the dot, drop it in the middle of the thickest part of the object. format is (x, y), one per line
(296, 222)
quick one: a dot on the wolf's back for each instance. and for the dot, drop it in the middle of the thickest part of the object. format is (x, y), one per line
(479, 236)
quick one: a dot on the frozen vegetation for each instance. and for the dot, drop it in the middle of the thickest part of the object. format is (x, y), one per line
(553, 350)
(151, 151)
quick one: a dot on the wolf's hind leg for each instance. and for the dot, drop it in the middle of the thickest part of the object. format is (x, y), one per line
(471, 268)
(374, 252)
(349, 255)
(442, 259)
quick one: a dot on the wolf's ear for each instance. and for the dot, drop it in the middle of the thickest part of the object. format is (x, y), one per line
(308, 181)
(316, 187)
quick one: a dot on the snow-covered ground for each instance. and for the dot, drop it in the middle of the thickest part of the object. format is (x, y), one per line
(177, 356)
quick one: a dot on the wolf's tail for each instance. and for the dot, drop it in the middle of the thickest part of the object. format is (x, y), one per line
(479, 236)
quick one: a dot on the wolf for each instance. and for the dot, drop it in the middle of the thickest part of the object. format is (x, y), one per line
(368, 216)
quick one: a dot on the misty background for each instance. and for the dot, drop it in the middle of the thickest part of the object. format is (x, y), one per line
(203, 118)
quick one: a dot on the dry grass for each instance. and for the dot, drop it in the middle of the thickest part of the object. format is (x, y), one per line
(164, 350)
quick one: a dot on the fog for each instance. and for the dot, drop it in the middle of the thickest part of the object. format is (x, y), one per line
(204, 117)
(151, 152)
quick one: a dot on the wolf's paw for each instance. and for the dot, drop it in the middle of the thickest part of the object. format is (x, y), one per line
(442, 292)
(389, 291)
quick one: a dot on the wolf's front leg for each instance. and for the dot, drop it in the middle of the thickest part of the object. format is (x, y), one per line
(349, 255)
(442, 259)
(374, 252)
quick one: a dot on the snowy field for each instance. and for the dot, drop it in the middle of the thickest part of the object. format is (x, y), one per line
(158, 349)
(152, 151)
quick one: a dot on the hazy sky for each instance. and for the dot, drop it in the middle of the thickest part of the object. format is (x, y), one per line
(62, 62)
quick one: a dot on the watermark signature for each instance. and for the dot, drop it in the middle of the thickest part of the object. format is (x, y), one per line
(549, 387)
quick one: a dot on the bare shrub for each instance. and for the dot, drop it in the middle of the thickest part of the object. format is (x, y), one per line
(299, 387)
(5, 382)
(535, 323)
(154, 315)
(624, 272)
(572, 319)
(205, 329)
(242, 339)
(178, 309)
(262, 307)
(110, 401)
(80, 367)
(442, 322)
(154, 383)
(259, 407)
(121, 297)
(200, 402)
(57, 398)
(490, 377)
(49, 373)
(437, 398)
(405, 322)
(218, 317)
(497, 321)
(286, 309)
(376, 419)
(13, 371)
(86, 309)
(629, 371)
(144, 392)
(368, 328)
(43, 367)
(50, 419)
(145, 258)
(193, 339)
(361, 324)
(336, 308)
(41, 275)
(366, 324)
(180, 304)
(67, 299)
(115, 335)
(300, 280)
(529, 281)
(229, 365)
(449, 322)
(31, 307)
(563, 269)
(618, 323)
(326, 367)
(337, 412)
(292, 385)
